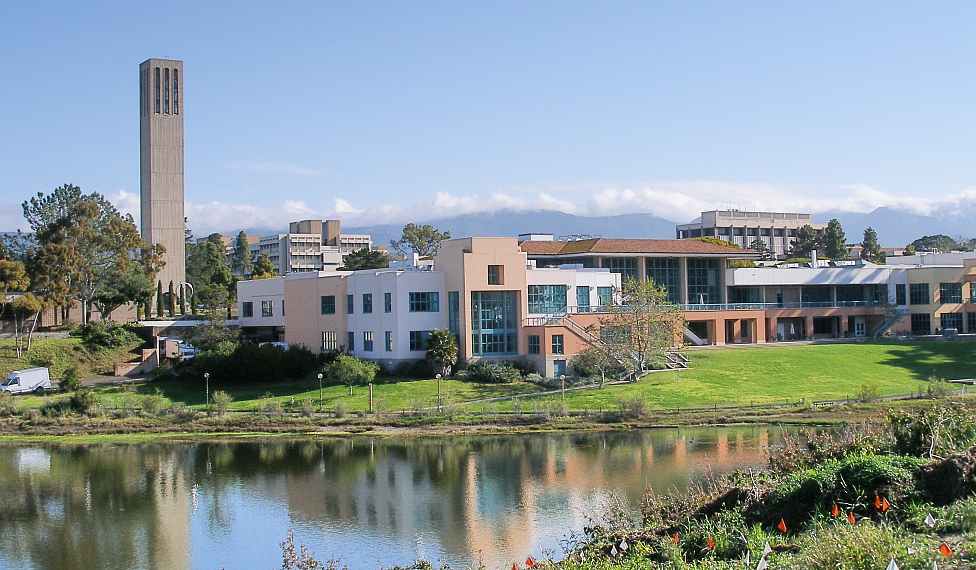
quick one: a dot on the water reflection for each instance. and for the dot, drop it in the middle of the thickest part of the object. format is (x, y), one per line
(373, 503)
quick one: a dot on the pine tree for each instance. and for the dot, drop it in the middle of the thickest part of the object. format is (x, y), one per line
(834, 242)
(870, 250)
(805, 242)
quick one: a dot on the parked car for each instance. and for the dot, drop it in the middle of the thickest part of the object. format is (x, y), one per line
(25, 381)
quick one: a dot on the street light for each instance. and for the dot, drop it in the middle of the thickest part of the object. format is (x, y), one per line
(438, 393)
(562, 378)
(320, 391)
(206, 378)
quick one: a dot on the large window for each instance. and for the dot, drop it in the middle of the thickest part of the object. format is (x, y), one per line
(267, 308)
(951, 321)
(425, 302)
(247, 309)
(387, 302)
(666, 272)
(367, 303)
(558, 344)
(971, 323)
(950, 293)
(535, 344)
(454, 313)
(583, 299)
(495, 275)
(546, 299)
(921, 324)
(605, 294)
(743, 295)
(350, 304)
(704, 282)
(878, 293)
(418, 340)
(329, 341)
(368, 341)
(918, 293)
(494, 322)
(625, 266)
(901, 297)
(327, 304)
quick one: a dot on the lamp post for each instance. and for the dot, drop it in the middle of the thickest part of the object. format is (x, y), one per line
(562, 378)
(206, 378)
(438, 393)
(320, 391)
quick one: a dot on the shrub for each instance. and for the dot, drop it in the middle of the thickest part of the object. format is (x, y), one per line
(306, 408)
(340, 410)
(84, 401)
(104, 334)
(221, 402)
(269, 406)
(70, 380)
(154, 403)
(868, 391)
(492, 373)
(861, 547)
(7, 406)
(938, 431)
(634, 407)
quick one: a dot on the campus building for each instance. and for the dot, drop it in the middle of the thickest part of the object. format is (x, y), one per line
(777, 229)
(309, 245)
(161, 163)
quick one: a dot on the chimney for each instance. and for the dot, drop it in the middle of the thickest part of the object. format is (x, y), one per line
(813, 258)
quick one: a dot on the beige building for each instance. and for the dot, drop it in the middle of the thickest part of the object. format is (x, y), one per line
(161, 163)
(777, 229)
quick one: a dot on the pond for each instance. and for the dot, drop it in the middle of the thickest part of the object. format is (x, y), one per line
(370, 503)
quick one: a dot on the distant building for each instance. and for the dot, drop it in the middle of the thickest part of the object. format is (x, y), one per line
(161, 163)
(309, 245)
(742, 228)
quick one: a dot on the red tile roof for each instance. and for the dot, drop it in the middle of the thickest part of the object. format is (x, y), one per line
(637, 246)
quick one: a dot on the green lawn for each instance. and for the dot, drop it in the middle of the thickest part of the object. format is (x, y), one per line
(58, 354)
(735, 376)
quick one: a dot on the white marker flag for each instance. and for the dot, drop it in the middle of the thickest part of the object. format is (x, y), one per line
(892, 565)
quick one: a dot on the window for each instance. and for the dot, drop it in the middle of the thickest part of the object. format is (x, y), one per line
(918, 293)
(625, 266)
(454, 313)
(921, 324)
(534, 344)
(156, 90)
(547, 299)
(352, 341)
(388, 341)
(665, 271)
(267, 308)
(703, 281)
(328, 304)
(425, 302)
(971, 323)
(247, 309)
(583, 299)
(605, 294)
(950, 293)
(951, 321)
(367, 303)
(877, 293)
(282, 307)
(972, 292)
(495, 275)
(166, 91)
(350, 304)
(368, 341)
(176, 91)
(329, 341)
(418, 340)
(743, 295)
(558, 344)
(387, 302)
(901, 298)
(494, 322)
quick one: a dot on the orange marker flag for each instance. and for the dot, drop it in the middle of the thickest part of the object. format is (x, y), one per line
(781, 526)
(711, 543)
(835, 511)
(675, 539)
(515, 566)
(944, 550)
(885, 505)
(850, 517)
(529, 562)
(877, 501)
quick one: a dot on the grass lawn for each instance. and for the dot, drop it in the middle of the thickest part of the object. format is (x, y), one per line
(58, 354)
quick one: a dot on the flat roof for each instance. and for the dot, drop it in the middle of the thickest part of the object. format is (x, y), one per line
(634, 246)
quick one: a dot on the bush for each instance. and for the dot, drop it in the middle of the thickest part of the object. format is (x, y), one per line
(340, 410)
(84, 401)
(492, 373)
(104, 334)
(940, 431)
(221, 402)
(7, 406)
(634, 407)
(306, 408)
(70, 380)
(269, 406)
(154, 403)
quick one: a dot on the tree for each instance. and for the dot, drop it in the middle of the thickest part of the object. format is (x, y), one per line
(13, 277)
(759, 246)
(834, 242)
(351, 371)
(592, 361)
(263, 268)
(938, 242)
(206, 264)
(25, 307)
(365, 258)
(241, 256)
(424, 240)
(805, 242)
(870, 250)
(441, 351)
(214, 299)
(135, 285)
(82, 241)
(640, 326)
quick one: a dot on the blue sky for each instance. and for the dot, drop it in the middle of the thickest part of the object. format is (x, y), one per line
(390, 112)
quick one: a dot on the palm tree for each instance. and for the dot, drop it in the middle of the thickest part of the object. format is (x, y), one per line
(441, 351)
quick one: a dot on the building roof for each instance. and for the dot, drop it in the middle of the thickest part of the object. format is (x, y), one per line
(635, 246)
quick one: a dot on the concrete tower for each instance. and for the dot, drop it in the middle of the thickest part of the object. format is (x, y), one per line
(161, 162)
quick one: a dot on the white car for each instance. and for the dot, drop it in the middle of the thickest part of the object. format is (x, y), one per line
(25, 381)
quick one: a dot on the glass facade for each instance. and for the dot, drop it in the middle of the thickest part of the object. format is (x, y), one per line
(704, 281)
(742, 295)
(494, 322)
(625, 266)
(666, 272)
(547, 299)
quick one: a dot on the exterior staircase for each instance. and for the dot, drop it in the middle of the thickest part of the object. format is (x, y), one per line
(885, 325)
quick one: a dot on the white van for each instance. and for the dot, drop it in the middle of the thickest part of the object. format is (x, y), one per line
(24, 381)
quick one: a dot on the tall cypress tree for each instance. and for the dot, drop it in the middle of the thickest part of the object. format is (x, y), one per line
(834, 242)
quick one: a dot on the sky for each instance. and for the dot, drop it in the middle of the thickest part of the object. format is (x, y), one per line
(411, 111)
